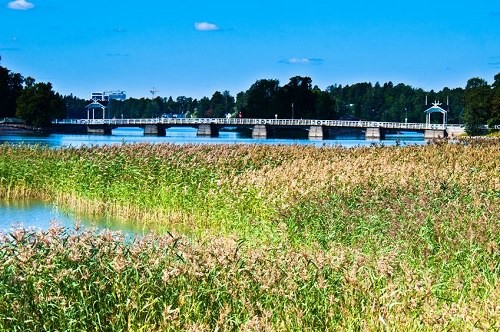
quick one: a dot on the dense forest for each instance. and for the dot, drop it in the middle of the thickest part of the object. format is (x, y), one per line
(476, 105)
(266, 98)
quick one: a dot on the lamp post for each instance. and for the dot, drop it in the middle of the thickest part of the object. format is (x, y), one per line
(406, 115)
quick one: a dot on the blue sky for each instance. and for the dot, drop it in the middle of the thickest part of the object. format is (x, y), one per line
(194, 48)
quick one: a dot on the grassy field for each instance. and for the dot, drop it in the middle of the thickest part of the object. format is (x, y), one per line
(258, 238)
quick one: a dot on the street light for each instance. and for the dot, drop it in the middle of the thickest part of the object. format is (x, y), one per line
(406, 115)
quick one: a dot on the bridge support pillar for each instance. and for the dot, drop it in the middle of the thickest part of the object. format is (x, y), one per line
(155, 130)
(259, 131)
(374, 133)
(316, 132)
(434, 134)
(207, 130)
(455, 131)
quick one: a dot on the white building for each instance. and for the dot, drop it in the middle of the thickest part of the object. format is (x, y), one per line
(108, 95)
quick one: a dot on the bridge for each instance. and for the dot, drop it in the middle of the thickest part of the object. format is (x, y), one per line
(260, 128)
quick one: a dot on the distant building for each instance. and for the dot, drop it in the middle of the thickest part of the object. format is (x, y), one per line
(97, 96)
(108, 95)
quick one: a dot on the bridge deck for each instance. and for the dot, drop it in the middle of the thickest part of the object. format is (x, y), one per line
(221, 122)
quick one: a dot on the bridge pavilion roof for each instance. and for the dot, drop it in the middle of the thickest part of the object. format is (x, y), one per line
(95, 104)
(435, 109)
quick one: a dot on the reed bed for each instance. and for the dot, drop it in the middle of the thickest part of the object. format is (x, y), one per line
(273, 238)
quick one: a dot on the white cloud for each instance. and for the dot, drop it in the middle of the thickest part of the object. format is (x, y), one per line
(299, 61)
(205, 26)
(302, 61)
(20, 5)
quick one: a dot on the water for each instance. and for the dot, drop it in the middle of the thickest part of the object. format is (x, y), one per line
(40, 214)
(187, 135)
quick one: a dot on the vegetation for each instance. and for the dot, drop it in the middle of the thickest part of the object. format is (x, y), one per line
(261, 238)
(476, 105)
(11, 86)
(266, 98)
(482, 105)
(38, 104)
(34, 103)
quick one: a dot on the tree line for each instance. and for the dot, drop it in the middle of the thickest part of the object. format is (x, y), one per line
(482, 104)
(34, 103)
(476, 105)
(266, 98)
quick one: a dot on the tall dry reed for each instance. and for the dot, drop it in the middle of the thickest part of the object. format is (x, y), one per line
(282, 237)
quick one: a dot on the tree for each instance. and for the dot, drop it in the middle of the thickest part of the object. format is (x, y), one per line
(153, 108)
(184, 105)
(241, 103)
(229, 103)
(477, 105)
(11, 85)
(217, 105)
(495, 103)
(262, 99)
(221, 104)
(75, 107)
(170, 105)
(204, 110)
(455, 97)
(38, 104)
(325, 104)
(298, 99)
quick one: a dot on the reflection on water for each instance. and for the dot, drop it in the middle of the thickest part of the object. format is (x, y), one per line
(187, 135)
(40, 215)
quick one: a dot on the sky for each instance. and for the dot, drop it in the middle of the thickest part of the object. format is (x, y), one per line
(194, 48)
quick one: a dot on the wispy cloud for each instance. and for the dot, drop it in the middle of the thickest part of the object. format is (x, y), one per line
(205, 26)
(119, 29)
(302, 61)
(9, 49)
(494, 61)
(20, 5)
(117, 54)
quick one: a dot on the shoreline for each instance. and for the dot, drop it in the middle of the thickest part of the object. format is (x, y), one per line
(6, 128)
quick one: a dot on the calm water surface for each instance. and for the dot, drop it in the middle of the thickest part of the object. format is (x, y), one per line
(187, 135)
(39, 215)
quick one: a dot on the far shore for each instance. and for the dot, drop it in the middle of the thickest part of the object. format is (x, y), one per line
(7, 128)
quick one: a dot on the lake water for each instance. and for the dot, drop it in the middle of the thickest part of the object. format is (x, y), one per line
(187, 135)
(40, 214)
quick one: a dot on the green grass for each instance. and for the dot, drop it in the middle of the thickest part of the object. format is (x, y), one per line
(264, 238)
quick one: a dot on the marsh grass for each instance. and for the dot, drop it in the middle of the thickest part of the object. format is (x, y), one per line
(274, 238)
(63, 279)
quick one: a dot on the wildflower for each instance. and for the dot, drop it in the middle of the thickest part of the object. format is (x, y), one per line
(18, 234)
(119, 263)
(170, 273)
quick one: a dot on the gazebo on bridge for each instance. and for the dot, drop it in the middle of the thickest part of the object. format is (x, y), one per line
(435, 109)
(93, 106)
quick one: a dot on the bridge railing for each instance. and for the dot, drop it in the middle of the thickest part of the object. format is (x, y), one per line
(253, 122)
